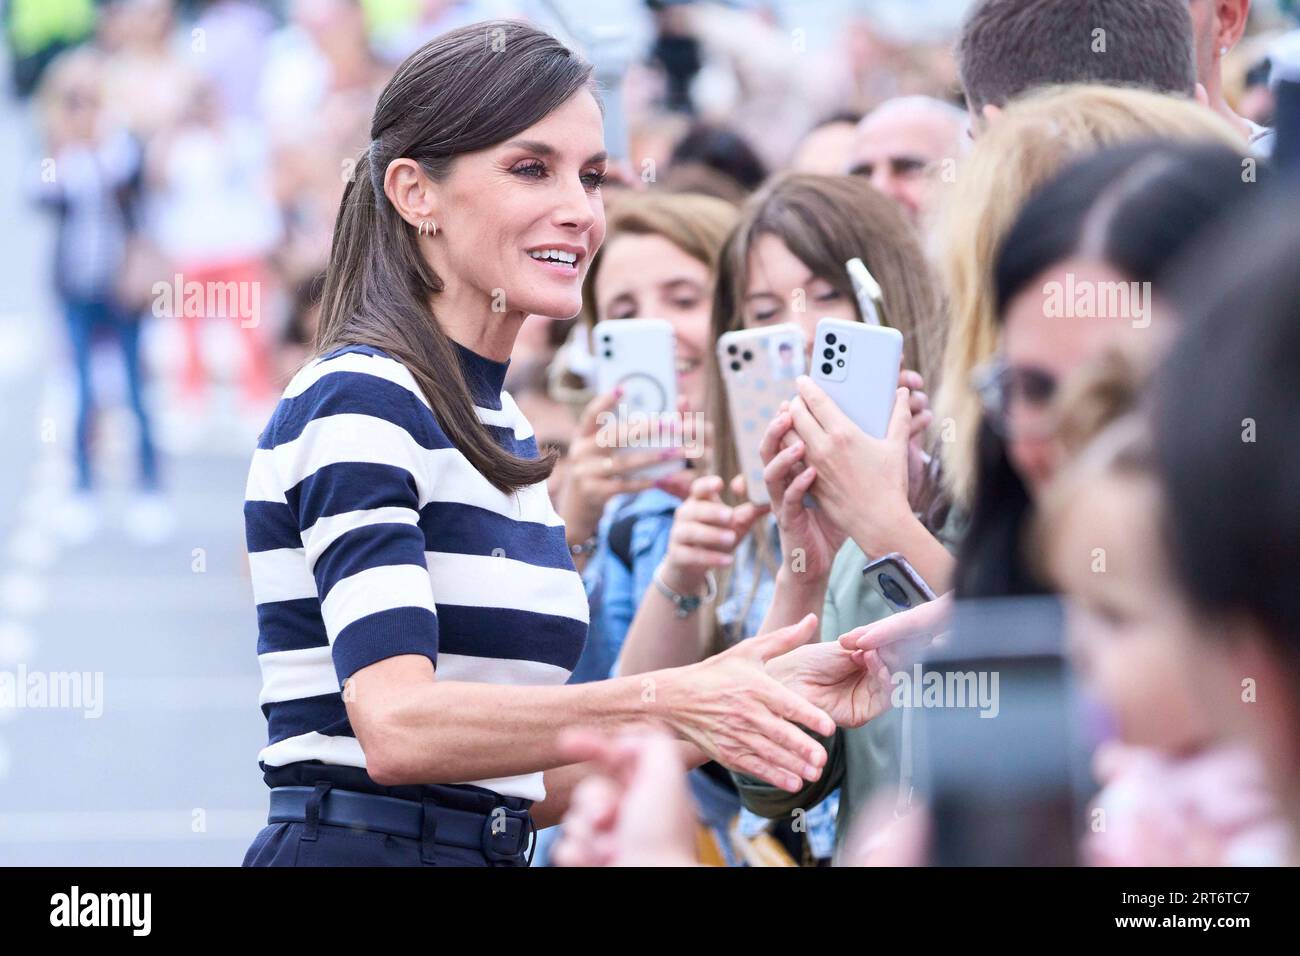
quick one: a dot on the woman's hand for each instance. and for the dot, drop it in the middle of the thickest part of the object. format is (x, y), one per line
(806, 533)
(918, 459)
(704, 534)
(848, 461)
(741, 716)
(900, 635)
(599, 470)
(851, 686)
(917, 401)
(634, 809)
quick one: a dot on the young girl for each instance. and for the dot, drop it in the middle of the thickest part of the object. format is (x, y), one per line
(1170, 795)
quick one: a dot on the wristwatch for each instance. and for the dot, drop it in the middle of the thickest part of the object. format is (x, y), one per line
(686, 604)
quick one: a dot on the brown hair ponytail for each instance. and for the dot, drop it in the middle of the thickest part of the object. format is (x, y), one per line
(463, 91)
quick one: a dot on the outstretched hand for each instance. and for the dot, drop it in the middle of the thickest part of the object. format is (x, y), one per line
(851, 686)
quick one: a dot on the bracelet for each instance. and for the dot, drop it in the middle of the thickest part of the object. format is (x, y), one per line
(686, 604)
(585, 548)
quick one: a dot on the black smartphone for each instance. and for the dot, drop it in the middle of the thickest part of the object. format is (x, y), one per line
(1002, 759)
(898, 582)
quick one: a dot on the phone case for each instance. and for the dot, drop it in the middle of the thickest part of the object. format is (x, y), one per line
(897, 581)
(858, 367)
(871, 300)
(639, 356)
(759, 367)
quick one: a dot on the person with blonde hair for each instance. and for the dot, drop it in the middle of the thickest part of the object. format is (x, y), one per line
(1032, 140)
(1115, 220)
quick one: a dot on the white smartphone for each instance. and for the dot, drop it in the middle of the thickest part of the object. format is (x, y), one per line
(871, 298)
(640, 357)
(759, 368)
(858, 366)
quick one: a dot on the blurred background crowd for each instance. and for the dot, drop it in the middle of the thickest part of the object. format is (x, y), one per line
(177, 168)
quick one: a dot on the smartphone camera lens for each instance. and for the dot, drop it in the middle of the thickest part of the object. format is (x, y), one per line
(748, 356)
(608, 354)
(844, 348)
(826, 369)
(830, 338)
(892, 591)
(735, 366)
(829, 353)
(607, 338)
(840, 363)
(732, 350)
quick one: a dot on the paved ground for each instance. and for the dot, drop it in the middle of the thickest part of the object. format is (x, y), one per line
(167, 773)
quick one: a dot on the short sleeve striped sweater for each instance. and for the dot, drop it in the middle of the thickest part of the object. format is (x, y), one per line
(370, 535)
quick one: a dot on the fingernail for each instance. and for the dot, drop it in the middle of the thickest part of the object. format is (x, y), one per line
(810, 772)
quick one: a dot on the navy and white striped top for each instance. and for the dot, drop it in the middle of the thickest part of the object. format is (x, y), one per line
(370, 535)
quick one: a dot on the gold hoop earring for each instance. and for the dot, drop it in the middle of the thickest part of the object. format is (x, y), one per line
(427, 228)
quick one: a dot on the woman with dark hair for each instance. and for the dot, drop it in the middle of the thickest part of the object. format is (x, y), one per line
(1075, 277)
(1081, 273)
(418, 608)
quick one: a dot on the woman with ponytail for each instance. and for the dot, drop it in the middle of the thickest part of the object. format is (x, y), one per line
(418, 609)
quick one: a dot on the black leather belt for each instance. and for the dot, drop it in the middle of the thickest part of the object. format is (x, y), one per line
(502, 834)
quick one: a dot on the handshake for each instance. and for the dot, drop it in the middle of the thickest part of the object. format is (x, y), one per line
(740, 708)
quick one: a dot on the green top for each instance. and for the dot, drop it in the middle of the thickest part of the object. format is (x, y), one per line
(860, 759)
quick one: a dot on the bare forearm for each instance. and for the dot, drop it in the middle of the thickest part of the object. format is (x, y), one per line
(795, 597)
(658, 638)
(452, 731)
(922, 550)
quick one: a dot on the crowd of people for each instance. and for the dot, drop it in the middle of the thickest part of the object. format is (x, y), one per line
(1081, 222)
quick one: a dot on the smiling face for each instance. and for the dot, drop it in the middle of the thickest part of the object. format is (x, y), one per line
(518, 222)
(781, 288)
(649, 277)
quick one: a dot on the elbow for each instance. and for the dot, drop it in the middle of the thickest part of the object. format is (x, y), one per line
(390, 756)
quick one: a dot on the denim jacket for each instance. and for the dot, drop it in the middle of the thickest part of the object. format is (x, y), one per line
(614, 590)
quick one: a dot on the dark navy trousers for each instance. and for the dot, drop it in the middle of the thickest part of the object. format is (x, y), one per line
(288, 844)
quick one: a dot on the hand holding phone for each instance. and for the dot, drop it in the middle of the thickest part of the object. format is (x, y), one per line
(638, 357)
(862, 482)
(805, 529)
(759, 368)
(858, 366)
